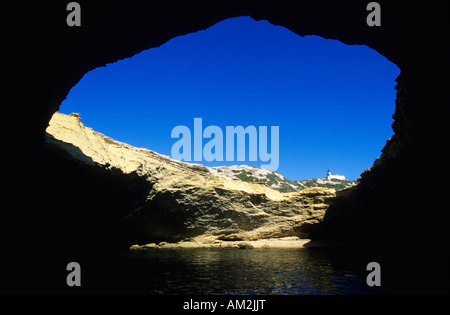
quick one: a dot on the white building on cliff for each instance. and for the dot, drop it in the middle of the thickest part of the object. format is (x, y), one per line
(331, 176)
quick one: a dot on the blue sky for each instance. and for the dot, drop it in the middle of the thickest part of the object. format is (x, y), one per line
(333, 102)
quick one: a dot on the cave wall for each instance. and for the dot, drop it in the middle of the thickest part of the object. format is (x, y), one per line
(48, 58)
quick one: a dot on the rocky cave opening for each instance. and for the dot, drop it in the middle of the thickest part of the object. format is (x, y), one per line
(397, 212)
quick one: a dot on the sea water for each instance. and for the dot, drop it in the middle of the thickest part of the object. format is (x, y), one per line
(280, 271)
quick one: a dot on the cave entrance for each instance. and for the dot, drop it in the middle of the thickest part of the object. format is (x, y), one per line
(332, 102)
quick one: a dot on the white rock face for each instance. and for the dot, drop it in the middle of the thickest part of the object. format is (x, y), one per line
(256, 174)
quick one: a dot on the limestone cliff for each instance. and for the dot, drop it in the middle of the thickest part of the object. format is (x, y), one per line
(188, 200)
(250, 173)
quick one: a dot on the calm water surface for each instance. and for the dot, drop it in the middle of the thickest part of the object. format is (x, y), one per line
(251, 271)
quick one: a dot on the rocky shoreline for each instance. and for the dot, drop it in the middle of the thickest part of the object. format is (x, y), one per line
(209, 242)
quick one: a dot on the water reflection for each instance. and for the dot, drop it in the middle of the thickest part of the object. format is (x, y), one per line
(235, 271)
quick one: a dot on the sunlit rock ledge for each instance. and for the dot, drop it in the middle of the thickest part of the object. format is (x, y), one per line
(211, 242)
(186, 200)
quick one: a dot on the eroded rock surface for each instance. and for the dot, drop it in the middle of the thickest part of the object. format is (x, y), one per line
(187, 200)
